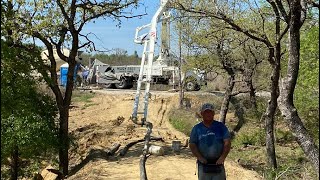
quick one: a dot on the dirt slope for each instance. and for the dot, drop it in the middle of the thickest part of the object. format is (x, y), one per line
(99, 124)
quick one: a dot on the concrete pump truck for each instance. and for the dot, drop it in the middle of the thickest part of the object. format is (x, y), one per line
(163, 70)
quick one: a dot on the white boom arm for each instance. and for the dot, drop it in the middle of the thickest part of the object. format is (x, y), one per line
(149, 40)
(148, 53)
(156, 19)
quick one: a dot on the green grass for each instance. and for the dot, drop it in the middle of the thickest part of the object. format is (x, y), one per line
(85, 97)
(255, 138)
(181, 120)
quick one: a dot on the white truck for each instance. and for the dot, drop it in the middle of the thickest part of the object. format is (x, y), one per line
(124, 77)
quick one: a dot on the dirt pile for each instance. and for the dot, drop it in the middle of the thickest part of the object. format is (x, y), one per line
(106, 122)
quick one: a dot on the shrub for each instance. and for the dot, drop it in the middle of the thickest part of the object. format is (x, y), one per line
(256, 137)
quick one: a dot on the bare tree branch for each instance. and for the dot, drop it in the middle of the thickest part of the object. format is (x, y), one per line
(108, 8)
(303, 11)
(282, 10)
(221, 16)
(262, 17)
(284, 31)
(62, 34)
(64, 13)
(52, 69)
(88, 41)
(73, 10)
(314, 4)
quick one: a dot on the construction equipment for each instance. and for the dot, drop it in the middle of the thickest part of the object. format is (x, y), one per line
(148, 40)
(123, 77)
(141, 100)
(163, 70)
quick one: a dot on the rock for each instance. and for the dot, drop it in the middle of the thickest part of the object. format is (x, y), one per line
(156, 150)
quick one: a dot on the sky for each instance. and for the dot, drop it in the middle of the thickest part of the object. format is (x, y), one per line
(110, 36)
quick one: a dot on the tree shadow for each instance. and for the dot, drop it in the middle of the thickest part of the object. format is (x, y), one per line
(93, 155)
(254, 167)
(135, 152)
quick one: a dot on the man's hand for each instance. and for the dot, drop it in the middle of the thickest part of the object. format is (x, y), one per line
(226, 149)
(220, 160)
(202, 160)
(195, 152)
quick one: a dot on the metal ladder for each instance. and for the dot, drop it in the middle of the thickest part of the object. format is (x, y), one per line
(140, 106)
(141, 102)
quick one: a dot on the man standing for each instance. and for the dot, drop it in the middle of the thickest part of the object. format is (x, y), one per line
(85, 73)
(210, 143)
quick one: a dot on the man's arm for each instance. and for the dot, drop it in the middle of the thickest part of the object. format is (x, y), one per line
(194, 149)
(225, 152)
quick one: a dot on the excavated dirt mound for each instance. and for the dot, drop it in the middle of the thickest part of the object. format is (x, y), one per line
(98, 125)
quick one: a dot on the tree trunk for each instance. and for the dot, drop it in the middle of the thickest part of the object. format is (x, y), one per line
(64, 141)
(252, 93)
(268, 117)
(226, 99)
(238, 112)
(288, 83)
(14, 163)
(181, 93)
(64, 117)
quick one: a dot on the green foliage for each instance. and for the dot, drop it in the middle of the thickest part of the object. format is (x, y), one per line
(204, 62)
(115, 59)
(253, 115)
(289, 155)
(27, 116)
(290, 171)
(306, 96)
(251, 137)
(284, 136)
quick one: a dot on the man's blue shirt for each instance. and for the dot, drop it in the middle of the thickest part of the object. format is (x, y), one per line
(209, 140)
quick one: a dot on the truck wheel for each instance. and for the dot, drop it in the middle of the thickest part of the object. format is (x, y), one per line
(108, 86)
(122, 85)
(190, 86)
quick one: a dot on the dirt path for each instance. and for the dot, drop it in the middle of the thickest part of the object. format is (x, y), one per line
(99, 124)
